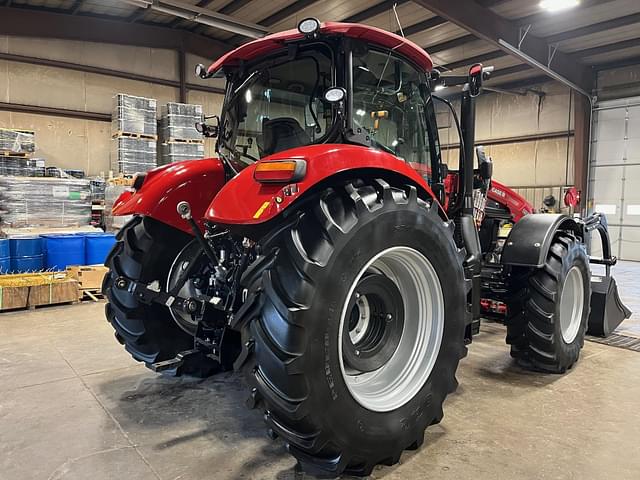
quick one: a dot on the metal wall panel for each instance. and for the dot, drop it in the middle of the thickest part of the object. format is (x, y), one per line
(614, 186)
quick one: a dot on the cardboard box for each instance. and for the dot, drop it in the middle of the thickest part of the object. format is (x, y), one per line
(89, 277)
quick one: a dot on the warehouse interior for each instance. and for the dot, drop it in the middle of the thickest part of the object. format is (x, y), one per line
(89, 91)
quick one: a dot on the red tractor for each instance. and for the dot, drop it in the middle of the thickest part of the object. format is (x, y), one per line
(330, 255)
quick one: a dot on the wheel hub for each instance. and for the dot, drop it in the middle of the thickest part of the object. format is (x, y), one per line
(191, 288)
(375, 324)
(386, 363)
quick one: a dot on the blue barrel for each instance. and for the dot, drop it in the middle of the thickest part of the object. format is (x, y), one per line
(26, 254)
(5, 256)
(25, 246)
(63, 249)
(34, 263)
(97, 246)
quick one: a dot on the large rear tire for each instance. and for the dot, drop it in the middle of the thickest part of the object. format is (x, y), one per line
(356, 321)
(549, 308)
(144, 252)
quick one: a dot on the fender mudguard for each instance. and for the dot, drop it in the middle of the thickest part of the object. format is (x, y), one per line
(530, 239)
(245, 201)
(195, 181)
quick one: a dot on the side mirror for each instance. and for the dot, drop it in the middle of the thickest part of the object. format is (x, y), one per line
(209, 131)
(485, 165)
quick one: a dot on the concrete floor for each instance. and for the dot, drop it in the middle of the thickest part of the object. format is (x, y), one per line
(73, 405)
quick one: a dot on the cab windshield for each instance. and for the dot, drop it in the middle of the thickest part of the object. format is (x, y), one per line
(277, 105)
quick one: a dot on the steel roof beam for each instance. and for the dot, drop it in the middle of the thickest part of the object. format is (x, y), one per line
(373, 11)
(611, 47)
(507, 36)
(594, 28)
(31, 23)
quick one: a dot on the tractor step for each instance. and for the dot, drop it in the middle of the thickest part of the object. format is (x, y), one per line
(176, 362)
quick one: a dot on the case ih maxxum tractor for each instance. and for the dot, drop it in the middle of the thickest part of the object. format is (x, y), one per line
(329, 254)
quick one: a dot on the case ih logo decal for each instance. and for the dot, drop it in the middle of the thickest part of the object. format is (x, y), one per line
(498, 192)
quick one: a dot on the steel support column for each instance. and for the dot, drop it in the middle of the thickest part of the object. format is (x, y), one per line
(582, 142)
(182, 65)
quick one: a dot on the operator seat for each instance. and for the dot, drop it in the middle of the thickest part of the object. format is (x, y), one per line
(280, 134)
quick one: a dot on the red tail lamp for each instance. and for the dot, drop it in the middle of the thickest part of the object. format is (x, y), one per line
(280, 171)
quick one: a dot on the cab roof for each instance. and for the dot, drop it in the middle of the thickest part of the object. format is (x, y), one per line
(377, 36)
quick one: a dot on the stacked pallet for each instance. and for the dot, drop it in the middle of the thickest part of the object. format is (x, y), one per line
(46, 202)
(17, 142)
(16, 148)
(180, 139)
(134, 134)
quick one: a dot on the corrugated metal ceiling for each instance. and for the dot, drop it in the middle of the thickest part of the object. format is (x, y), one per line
(577, 31)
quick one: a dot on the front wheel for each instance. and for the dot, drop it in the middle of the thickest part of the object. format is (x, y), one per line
(549, 308)
(359, 327)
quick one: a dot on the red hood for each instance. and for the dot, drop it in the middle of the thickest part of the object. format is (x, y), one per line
(262, 46)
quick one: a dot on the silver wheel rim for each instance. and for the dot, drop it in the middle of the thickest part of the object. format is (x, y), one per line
(184, 320)
(571, 305)
(405, 373)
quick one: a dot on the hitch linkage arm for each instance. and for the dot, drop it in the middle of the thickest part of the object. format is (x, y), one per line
(151, 293)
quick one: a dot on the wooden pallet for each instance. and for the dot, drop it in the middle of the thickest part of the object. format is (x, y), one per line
(185, 140)
(7, 153)
(19, 130)
(92, 295)
(144, 136)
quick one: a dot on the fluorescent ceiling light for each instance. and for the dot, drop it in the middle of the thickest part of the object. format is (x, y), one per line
(558, 5)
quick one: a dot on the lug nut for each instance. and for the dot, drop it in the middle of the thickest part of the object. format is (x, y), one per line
(192, 306)
(389, 317)
(121, 283)
(357, 353)
(357, 295)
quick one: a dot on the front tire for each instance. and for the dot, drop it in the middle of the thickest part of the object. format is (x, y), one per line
(549, 308)
(338, 413)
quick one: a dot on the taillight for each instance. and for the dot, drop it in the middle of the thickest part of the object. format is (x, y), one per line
(280, 171)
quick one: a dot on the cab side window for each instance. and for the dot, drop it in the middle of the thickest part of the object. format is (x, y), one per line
(389, 106)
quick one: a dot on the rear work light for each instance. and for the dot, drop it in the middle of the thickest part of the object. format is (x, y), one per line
(280, 171)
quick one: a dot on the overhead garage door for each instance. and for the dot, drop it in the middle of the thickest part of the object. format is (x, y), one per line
(615, 173)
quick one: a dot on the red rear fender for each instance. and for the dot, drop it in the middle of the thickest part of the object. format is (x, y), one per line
(245, 201)
(195, 181)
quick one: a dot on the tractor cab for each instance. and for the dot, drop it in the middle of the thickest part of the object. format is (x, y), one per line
(328, 84)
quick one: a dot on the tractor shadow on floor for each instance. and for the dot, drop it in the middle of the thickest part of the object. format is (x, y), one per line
(205, 424)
